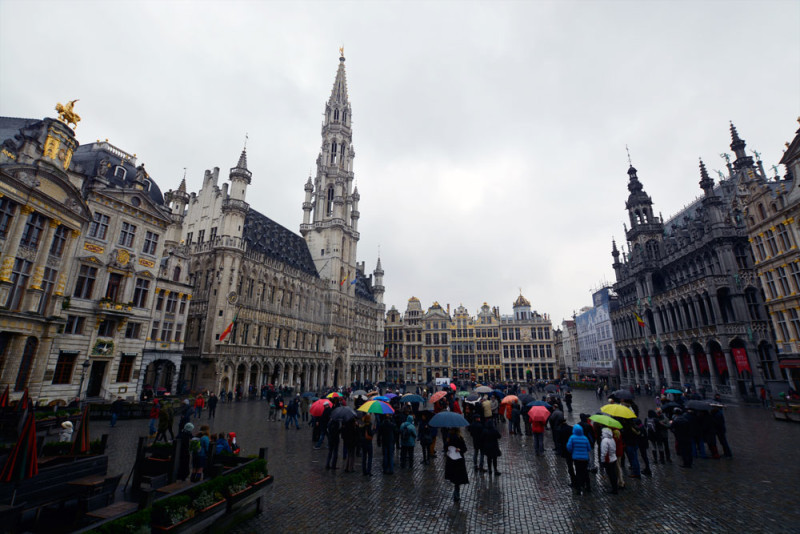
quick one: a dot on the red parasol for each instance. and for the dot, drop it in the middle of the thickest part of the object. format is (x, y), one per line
(81, 443)
(452, 386)
(538, 413)
(21, 462)
(4, 399)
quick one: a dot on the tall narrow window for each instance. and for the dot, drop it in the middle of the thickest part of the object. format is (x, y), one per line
(330, 201)
(59, 241)
(172, 302)
(33, 231)
(333, 152)
(125, 368)
(48, 284)
(785, 238)
(150, 243)
(64, 367)
(127, 234)
(26, 362)
(113, 288)
(99, 227)
(140, 292)
(7, 208)
(20, 274)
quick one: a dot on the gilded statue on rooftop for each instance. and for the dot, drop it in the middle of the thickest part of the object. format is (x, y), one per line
(67, 115)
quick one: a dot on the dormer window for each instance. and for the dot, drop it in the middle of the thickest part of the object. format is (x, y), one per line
(136, 202)
(120, 172)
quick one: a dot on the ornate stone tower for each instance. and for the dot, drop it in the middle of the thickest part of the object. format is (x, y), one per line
(330, 218)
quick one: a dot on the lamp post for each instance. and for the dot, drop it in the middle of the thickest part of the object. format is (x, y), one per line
(85, 366)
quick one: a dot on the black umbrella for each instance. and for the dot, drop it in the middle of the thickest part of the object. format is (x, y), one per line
(550, 388)
(472, 398)
(524, 399)
(622, 394)
(343, 414)
(700, 405)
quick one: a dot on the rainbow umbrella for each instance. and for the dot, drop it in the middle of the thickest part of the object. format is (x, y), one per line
(332, 395)
(319, 406)
(21, 462)
(376, 406)
(81, 443)
(4, 399)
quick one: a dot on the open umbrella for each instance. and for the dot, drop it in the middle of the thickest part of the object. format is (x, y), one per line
(524, 399)
(508, 399)
(674, 391)
(550, 388)
(376, 406)
(499, 394)
(463, 393)
(372, 393)
(4, 399)
(81, 443)
(605, 420)
(472, 398)
(333, 395)
(383, 398)
(448, 420)
(618, 410)
(411, 397)
(436, 396)
(309, 394)
(358, 392)
(319, 406)
(538, 403)
(699, 405)
(483, 389)
(453, 386)
(538, 413)
(622, 394)
(670, 406)
(343, 414)
(21, 462)
(391, 395)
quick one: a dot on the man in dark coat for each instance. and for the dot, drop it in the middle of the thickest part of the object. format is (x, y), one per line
(681, 427)
(555, 420)
(387, 431)
(212, 405)
(563, 433)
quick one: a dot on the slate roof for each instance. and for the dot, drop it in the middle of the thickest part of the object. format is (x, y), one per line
(264, 235)
(90, 157)
(10, 126)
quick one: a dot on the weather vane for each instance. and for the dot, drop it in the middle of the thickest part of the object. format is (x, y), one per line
(246, 137)
(629, 156)
(341, 51)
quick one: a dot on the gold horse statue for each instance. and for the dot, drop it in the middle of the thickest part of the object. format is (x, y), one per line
(67, 115)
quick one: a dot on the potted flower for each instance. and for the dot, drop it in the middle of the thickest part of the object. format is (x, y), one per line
(190, 511)
(244, 487)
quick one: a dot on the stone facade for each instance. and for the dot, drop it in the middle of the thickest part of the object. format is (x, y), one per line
(596, 355)
(302, 312)
(772, 216)
(569, 349)
(691, 310)
(85, 251)
(527, 351)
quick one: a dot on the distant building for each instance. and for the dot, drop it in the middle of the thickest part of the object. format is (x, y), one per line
(569, 348)
(772, 216)
(527, 345)
(462, 345)
(596, 352)
(691, 311)
(436, 326)
(488, 360)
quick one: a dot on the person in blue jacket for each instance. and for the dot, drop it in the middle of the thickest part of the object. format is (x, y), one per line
(580, 448)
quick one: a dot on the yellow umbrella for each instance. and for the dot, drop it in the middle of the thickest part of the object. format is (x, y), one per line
(618, 410)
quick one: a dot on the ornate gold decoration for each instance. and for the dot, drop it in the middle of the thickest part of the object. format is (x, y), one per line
(55, 223)
(91, 247)
(38, 275)
(67, 115)
(8, 154)
(341, 51)
(26, 209)
(62, 284)
(147, 263)
(76, 234)
(5, 270)
(51, 146)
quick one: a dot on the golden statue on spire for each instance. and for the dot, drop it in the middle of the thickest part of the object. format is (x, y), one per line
(67, 115)
(341, 51)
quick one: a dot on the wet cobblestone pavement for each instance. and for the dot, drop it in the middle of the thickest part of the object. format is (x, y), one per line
(756, 491)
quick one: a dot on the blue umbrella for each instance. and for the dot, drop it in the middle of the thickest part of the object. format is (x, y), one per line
(674, 391)
(381, 398)
(448, 420)
(309, 394)
(538, 403)
(411, 397)
(499, 394)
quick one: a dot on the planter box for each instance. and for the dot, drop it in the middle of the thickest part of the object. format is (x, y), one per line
(202, 520)
(241, 500)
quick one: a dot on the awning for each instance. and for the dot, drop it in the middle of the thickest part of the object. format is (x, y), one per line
(791, 363)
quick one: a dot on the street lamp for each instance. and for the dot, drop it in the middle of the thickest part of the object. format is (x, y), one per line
(85, 366)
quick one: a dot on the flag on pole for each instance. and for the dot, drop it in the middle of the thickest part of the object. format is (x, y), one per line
(386, 351)
(343, 281)
(639, 319)
(227, 331)
(354, 281)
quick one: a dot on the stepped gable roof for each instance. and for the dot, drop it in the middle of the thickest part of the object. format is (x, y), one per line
(101, 160)
(264, 235)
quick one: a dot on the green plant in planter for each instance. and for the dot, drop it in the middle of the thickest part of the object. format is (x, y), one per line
(255, 470)
(236, 483)
(172, 510)
(136, 523)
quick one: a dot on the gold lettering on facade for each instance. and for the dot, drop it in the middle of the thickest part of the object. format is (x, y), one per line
(51, 146)
(91, 247)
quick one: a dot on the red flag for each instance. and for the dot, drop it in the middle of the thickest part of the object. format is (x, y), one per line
(227, 331)
(386, 351)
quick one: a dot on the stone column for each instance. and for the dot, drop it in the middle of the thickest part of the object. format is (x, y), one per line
(733, 372)
(291, 375)
(654, 368)
(680, 369)
(667, 371)
(712, 373)
(695, 369)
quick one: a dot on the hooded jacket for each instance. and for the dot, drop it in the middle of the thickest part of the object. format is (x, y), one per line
(408, 432)
(578, 445)
(608, 449)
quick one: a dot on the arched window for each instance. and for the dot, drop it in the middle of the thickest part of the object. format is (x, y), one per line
(330, 200)
(176, 274)
(344, 117)
(119, 172)
(333, 152)
(336, 115)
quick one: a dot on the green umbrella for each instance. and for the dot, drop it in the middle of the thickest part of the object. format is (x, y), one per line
(463, 393)
(605, 420)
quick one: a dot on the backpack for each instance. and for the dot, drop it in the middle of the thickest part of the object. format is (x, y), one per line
(405, 432)
(194, 445)
(651, 428)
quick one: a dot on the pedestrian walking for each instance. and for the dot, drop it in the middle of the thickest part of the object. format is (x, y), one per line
(387, 431)
(491, 447)
(116, 410)
(212, 406)
(408, 439)
(350, 443)
(608, 457)
(199, 403)
(455, 467)
(579, 449)
(425, 439)
(333, 430)
(718, 422)
(475, 430)
(291, 414)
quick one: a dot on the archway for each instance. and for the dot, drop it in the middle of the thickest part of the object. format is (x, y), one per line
(26, 362)
(158, 375)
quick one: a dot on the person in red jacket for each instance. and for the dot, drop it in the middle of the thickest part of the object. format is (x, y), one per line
(154, 412)
(537, 427)
(199, 403)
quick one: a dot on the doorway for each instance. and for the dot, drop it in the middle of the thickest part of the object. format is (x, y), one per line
(96, 375)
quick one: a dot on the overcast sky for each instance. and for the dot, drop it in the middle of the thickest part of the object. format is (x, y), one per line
(490, 136)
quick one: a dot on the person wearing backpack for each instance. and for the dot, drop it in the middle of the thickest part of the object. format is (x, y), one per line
(408, 438)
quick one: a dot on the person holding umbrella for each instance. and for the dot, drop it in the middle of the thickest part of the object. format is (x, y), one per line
(365, 439)
(455, 467)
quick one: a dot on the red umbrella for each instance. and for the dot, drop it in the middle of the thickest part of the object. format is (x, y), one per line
(538, 413)
(438, 395)
(452, 386)
(21, 462)
(4, 399)
(81, 443)
(319, 406)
